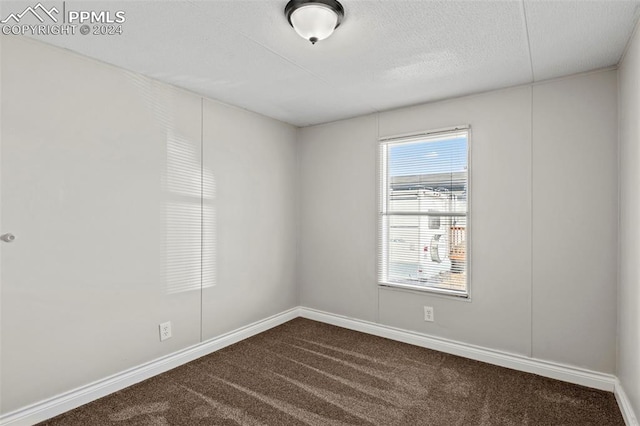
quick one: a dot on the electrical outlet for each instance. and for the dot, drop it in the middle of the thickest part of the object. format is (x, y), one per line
(428, 314)
(165, 330)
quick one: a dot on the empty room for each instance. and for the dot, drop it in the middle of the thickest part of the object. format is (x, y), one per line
(320, 212)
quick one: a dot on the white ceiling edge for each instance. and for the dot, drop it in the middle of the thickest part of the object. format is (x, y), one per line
(122, 69)
(436, 101)
(259, 64)
(627, 46)
(469, 95)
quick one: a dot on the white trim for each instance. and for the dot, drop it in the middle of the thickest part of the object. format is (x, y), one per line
(69, 400)
(628, 415)
(382, 221)
(426, 134)
(59, 404)
(553, 370)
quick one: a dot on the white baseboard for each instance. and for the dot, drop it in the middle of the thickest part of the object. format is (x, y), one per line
(64, 402)
(552, 370)
(69, 400)
(629, 416)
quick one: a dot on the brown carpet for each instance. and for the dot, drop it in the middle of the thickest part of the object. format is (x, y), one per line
(308, 373)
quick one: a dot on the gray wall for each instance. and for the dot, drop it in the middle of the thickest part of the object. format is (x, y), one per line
(544, 181)
(110, 182)
(629, 292)
(250, 209)
(101, 181)
(337, 174)
(575, 211)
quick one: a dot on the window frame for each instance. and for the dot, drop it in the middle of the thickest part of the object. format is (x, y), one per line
(383, 199)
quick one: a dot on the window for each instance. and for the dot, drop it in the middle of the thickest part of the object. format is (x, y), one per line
(423, 227)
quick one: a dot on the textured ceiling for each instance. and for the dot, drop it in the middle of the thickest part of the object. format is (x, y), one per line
(386, 54)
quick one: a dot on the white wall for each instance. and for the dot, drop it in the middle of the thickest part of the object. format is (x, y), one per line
(250, 209)
(512, 307)
(102, 173)
(629, 287)
(575, 212)
(338, 217)
(101, 180)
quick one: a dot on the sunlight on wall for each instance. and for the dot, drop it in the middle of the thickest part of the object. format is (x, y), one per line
(188, 192)
(209, 225)
(182, 216)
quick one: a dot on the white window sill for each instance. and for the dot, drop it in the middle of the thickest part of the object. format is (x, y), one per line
(423, 289)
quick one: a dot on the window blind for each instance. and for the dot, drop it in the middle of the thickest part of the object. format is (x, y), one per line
(423, 226)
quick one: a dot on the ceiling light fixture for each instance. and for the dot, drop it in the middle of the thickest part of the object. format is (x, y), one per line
(314, 20)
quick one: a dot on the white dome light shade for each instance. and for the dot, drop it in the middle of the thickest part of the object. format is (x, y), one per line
(314, 20)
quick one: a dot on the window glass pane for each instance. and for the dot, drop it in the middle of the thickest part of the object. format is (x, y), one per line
(424, 223)
(404, 248)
